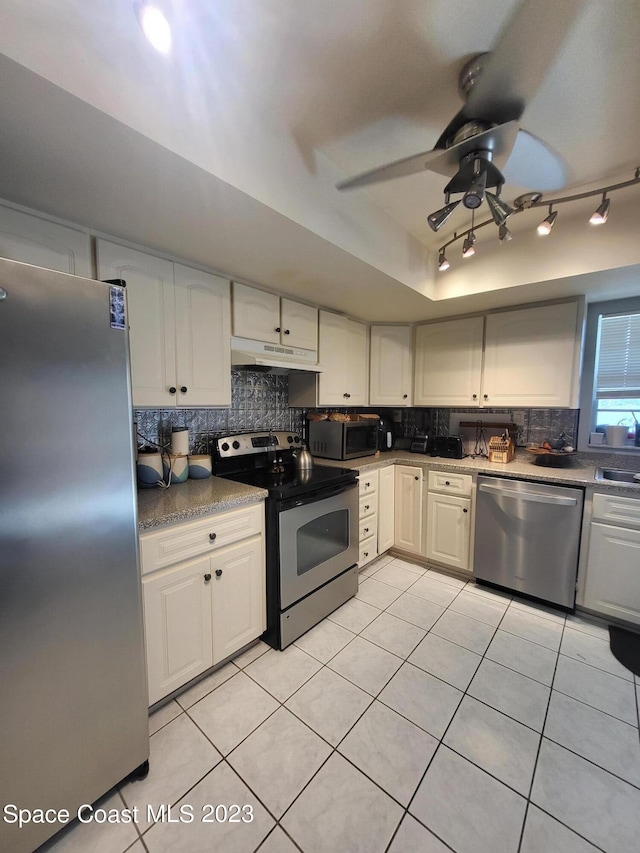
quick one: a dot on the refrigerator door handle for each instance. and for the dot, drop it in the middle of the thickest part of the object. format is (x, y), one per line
(528, 496)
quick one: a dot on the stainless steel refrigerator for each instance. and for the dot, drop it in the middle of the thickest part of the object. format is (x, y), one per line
(73, 694)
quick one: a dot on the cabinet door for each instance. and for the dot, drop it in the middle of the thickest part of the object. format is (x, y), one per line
(299, 324)
(390, 373)
(36, 241)
(333, 355)
(386, 509)
(356, 364)
(151, 317)
(203, 335)
(408, 508)
(177, 617)
(612, 585)
(448, 529)
(530, 357)
(238, 593)
(256, 314)
(448, 363)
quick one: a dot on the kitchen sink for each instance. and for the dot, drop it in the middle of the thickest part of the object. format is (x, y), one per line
(618, 475)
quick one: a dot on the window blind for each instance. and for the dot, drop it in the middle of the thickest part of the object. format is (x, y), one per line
(618, 362)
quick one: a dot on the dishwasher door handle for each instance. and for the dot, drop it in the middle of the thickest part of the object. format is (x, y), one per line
(528, 496)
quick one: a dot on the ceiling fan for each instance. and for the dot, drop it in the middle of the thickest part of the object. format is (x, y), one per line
(484, 137)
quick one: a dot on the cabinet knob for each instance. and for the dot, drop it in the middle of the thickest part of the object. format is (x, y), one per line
(465, 510)
(366, 553)
(183, 389)
(212, 537)
(404, 396)
(447, 483)
(207, 578)
(416, 478)
(346, 395)
(218, 573)
(367, 484)
(366, 506)
(172, 390)
(485, 396)
(475, 396)
(277, 329)
(287, 332)
(366, 530)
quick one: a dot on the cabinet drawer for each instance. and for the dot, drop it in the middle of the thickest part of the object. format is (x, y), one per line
(368, 527)
(613, 508)
(453, 484)
(368, 550)
(183, 541)
(368, 505)
(368, 483)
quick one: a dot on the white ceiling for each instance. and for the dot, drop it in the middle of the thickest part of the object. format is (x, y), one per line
(227, 152)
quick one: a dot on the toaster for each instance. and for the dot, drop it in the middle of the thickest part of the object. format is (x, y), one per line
(448, 446)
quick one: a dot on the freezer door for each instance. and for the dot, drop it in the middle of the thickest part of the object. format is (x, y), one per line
(73, 704)
(527, 537)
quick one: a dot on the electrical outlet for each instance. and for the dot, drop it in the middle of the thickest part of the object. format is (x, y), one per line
(518, 418)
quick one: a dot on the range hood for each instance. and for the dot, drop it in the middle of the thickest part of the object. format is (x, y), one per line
(272, 358)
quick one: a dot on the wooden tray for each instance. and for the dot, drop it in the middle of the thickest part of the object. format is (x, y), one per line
(542, 451)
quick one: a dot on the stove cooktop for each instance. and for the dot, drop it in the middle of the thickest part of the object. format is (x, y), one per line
(291, 482)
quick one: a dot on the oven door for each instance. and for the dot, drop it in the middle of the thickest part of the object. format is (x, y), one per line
(318, 540)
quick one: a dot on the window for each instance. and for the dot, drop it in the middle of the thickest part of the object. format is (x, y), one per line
(611, 369)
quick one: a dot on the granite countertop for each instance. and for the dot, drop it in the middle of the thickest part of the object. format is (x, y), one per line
(579, 472)
(193, 499)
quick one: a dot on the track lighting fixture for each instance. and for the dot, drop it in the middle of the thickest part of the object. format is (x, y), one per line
(601, 213)
(547, 224)
(501, 211)
(437, 219)
(443, 263)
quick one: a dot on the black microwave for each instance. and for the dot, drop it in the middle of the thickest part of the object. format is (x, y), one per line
(343, 439)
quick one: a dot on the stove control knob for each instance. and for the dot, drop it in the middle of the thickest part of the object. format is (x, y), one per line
(235, 445)
(224, 446)
(296, 438)
(290, 439)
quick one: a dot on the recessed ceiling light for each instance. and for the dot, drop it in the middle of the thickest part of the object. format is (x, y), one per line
(155, 26)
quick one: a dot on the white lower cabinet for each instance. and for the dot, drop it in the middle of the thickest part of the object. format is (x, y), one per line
(408, 508)
(448, 530)
(612, 583)
(199, 611)
(368, 486)
(386, 509)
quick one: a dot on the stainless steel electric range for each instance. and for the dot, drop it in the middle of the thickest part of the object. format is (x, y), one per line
(311, 529)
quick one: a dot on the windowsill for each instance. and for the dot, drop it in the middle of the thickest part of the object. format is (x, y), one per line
(608, 449)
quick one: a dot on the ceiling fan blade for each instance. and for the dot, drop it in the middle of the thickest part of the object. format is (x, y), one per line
(534, 165)
(499, 140)
(521, 58)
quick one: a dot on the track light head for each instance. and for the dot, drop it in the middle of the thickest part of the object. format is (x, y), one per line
(500, 210)
(474, 196)
(547, 224)
(467, 247)
(437, 219)
(443, 263)
(504, 234)
(600, 215)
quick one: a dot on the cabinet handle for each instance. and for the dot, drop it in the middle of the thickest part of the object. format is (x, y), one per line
(207, 578)
(465, 510)
(173, 389)
(183, 389)
(277, 329)
(218, 573)
(287, 332)
(212, 537)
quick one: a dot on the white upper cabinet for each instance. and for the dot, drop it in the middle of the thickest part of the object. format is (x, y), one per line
(390, 366)
(343, 355)
(448, 363)
(36, 241)
(179, 329)
(261, 316)
(532, 357)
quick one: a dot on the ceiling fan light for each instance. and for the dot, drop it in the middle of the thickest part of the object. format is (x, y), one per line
(443, 263)
(504, 234)
(468, 249)
(437, 219)
(601, 214)
(547, 224)
(154, 25)
(474, 196)
(500, 210)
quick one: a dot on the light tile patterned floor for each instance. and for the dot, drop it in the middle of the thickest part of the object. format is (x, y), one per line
(427, 715)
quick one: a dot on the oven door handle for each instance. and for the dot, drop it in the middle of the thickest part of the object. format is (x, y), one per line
(319, 495)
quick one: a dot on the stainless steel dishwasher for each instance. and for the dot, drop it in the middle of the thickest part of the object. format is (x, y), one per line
(527, 537)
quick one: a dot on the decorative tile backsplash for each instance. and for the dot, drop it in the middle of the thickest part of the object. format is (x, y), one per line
(260, 401)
